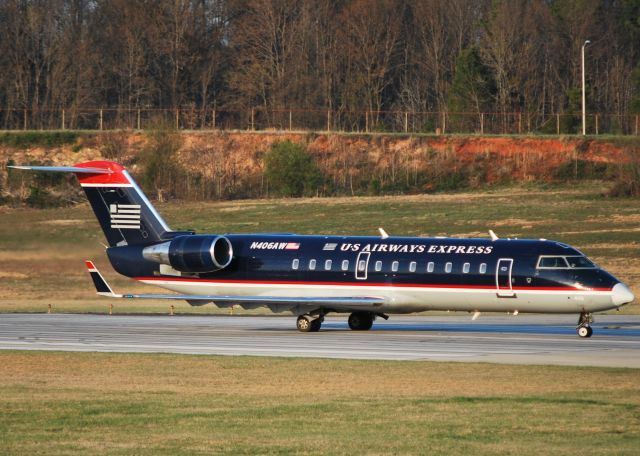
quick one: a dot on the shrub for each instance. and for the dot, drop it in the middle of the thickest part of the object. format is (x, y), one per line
(290, 170)
(162, 174)
(25, 140)
(627, 178)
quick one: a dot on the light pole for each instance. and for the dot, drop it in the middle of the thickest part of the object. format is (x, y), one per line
(584, 109)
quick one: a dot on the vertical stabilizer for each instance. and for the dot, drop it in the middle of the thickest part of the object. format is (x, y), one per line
(125, 214)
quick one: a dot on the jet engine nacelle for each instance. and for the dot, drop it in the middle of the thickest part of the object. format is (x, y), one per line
(192, 253)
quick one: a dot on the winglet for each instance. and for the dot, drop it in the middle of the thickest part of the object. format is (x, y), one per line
(493, 235)
(102, 287)
(383, 233)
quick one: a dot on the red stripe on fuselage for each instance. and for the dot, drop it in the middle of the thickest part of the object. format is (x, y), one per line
(116, 177)
(365, 284)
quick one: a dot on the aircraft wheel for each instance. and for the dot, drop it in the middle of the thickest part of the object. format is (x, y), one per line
(304, 324)
(361, 321)
(585, 331)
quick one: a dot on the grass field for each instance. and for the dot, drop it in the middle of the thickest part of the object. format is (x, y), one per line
(59, 403)
(121, 404)
(42, 251)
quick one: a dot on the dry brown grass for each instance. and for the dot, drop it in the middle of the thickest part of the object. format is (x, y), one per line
(301, 378)
(58, 403)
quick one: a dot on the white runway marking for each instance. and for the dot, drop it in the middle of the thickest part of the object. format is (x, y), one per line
(521, 340)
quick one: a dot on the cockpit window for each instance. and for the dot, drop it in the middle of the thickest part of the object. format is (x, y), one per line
(564, 262)
(552, 262)
(580, 262)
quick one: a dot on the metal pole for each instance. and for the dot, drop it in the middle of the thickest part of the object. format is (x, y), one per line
(558, 124)
(482, 123)
(584, 109)
(139, 119)
(214, 119)
(101, 119)
(406, 122)
(329, 120)
(290, 121)
(519, 123)
(63, 119)
(596, 124)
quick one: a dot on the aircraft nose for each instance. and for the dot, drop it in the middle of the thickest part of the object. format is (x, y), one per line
(621, 294)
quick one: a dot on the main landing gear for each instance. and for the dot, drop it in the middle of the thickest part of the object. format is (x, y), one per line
(358, 321)
(361, 321)
(584, 325)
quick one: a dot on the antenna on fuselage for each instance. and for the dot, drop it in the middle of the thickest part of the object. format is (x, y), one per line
(383, 233)
(494, 236)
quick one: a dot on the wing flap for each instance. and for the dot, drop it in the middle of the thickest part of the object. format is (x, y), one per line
(103, 289)
(266, 300)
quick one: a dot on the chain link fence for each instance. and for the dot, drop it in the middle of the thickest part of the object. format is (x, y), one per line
(513, 123)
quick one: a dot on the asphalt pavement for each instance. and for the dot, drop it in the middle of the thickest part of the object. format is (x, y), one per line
(525, 339)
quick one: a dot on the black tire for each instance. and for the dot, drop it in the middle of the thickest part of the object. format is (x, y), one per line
(316, 324)
(361, 321)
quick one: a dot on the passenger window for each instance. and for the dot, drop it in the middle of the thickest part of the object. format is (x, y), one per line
(394, 266)
(378, 266)
(327, 265)
(448, 267)
(483, 268)
(412, 266)
(295, 264)
(465, 268)
(345, 265)
(312, 265)
(362, 265)
(430, 266)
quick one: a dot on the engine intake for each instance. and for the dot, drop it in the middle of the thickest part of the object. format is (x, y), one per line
(195, 253)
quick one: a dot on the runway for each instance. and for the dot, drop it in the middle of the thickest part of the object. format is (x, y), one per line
(549, 339)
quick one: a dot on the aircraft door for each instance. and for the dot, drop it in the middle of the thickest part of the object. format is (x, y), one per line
(362, 265)
(503, 278)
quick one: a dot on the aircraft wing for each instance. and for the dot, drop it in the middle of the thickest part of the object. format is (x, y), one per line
(349, 302)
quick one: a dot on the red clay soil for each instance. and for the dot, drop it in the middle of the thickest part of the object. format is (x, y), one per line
(215, 153)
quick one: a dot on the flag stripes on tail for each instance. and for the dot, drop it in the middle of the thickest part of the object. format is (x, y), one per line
(125, 216)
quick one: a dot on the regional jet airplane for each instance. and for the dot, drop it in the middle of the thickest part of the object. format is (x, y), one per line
(311, 276)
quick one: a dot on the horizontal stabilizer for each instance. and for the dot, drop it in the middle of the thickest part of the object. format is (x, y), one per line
(65, 169)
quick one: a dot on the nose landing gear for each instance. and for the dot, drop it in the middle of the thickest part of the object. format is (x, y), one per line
(584, 325)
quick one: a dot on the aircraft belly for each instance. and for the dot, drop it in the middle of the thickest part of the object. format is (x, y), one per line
(418, 299)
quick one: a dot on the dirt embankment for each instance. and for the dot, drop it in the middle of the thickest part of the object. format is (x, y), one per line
(354, 164)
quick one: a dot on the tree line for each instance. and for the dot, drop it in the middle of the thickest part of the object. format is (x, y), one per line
(343, 56)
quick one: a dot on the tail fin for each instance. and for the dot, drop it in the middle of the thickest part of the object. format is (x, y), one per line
(123, 211)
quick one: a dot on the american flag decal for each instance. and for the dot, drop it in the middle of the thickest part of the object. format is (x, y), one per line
(292, 246)
(125, 216)
(330, 246)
